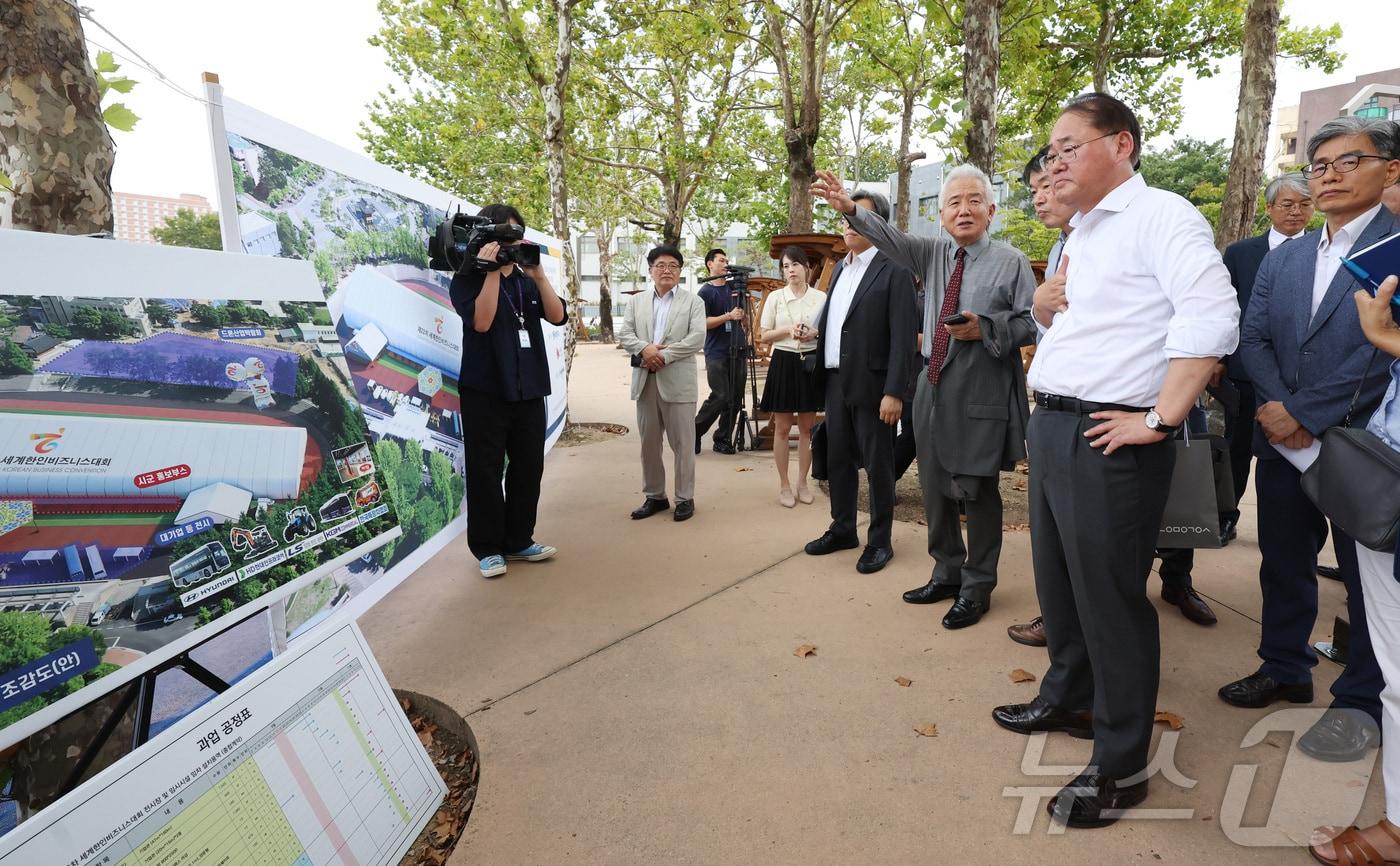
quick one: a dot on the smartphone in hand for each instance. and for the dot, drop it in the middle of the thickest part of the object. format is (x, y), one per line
(955, 319)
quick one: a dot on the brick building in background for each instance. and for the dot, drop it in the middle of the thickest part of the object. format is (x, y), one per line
(135, 215)
(1376, 94)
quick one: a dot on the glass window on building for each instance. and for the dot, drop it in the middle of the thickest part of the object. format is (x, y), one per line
(588, 245)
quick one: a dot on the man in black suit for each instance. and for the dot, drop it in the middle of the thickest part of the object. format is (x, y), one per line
(1289, 207)
(864, 337)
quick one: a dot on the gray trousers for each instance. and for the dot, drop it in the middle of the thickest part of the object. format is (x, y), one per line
(676, 422)
(972, 566)
(1094, 523)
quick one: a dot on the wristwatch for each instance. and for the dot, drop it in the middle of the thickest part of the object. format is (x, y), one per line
(1157, 425)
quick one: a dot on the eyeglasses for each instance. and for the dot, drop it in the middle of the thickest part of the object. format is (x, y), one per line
(665, 266)
(1343, 164)
(1298, 206)
(1068, 154)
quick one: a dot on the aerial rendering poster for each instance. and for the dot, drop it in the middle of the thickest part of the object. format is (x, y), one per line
(364, 228)
(170, 466)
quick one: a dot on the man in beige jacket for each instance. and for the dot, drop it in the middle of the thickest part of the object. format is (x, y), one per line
(662, 332)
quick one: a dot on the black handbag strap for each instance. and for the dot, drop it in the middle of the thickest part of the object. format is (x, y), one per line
(1346, 421)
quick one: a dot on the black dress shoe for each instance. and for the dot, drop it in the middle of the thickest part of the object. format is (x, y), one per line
(685, 509)
(724, 448)
(649, 507)
(1037, 717)
(964, 612)
(1342, 734)
(1329, 572)
(1192, 606)
(830, 542)
(1227, 531)
(932, 592)
(1258, 690)
(872, 559)
(1094, 800)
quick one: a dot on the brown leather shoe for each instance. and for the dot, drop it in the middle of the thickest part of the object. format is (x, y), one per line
(1029, 633)
(1192, 606)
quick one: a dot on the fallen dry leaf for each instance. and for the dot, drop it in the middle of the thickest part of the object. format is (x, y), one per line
(1022, 676)
(926, 730)
(744, 469)
(904, 681)
(805, 650)
(425, 737)
(1173, 721)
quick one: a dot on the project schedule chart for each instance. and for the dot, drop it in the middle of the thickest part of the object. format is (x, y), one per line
(312, 765)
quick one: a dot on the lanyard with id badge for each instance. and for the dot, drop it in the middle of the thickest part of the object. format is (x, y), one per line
(517, 307)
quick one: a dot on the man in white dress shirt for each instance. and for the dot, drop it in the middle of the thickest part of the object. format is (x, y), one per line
(1129, 339)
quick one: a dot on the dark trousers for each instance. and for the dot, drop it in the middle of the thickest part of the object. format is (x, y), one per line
(496, 431)
(856, 436)
(1094, 524)
(971, 566)
(1239, 430)
(904, 447)
(1291, 532)
(1175, 570)
(719, 405)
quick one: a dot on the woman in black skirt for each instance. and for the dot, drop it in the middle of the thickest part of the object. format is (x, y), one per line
(788, 325)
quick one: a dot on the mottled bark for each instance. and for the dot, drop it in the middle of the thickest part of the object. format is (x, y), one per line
(906, 161)
(801, 94)
(604, 233)
(54, 145)
(981, 59)
(1103, 44)
(1256, 103)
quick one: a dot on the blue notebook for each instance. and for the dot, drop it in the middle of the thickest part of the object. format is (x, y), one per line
(1373, 264)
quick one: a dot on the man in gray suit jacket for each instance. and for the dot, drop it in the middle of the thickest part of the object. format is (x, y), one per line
(662, 331)
(1304, 350)
(970, 408)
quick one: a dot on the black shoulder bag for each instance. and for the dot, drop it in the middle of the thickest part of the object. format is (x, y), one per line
(1355, 481)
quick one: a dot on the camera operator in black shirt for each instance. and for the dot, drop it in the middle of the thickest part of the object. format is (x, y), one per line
(503, 383)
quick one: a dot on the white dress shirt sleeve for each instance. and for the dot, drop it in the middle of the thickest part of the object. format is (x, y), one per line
(1205, 320)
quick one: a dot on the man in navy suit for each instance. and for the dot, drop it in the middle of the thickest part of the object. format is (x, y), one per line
(1289, 208)
(1304, 350)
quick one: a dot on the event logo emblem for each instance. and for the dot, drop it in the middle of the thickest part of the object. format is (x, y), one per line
(46, 441)
(438, 321)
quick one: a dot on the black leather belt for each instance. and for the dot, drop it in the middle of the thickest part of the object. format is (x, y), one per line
(1056, 403)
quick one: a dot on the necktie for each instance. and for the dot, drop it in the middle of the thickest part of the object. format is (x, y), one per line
(950, 306)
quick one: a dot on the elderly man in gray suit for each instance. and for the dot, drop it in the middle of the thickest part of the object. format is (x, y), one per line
(662, 331)
(970, 408)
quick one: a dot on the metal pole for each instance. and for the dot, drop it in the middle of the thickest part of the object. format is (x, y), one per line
(225, 196)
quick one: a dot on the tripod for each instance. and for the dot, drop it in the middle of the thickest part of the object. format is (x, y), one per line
(741, 350)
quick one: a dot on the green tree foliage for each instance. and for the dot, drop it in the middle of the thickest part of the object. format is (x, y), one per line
(1190, 167)
(57, 331)
(208, 315)
(1026, 234)
(187, 230)
(160, 313)
(13, 359)
(115, 114)
(98, 324)
(25, 637)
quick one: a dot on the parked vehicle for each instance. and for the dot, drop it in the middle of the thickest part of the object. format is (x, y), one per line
(367, 495)
(338, 507)
(300, 524)
(199, 565)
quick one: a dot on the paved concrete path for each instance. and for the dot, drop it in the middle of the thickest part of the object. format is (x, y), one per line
(637, 700)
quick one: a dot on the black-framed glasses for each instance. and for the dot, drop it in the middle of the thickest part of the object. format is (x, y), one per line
(1343, 164)
(1068, 153)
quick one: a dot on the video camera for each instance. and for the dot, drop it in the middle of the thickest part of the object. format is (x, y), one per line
(458, 240)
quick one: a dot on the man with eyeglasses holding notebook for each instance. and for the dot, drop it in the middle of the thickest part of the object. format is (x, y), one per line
(1303, 347)
(1131, 329)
